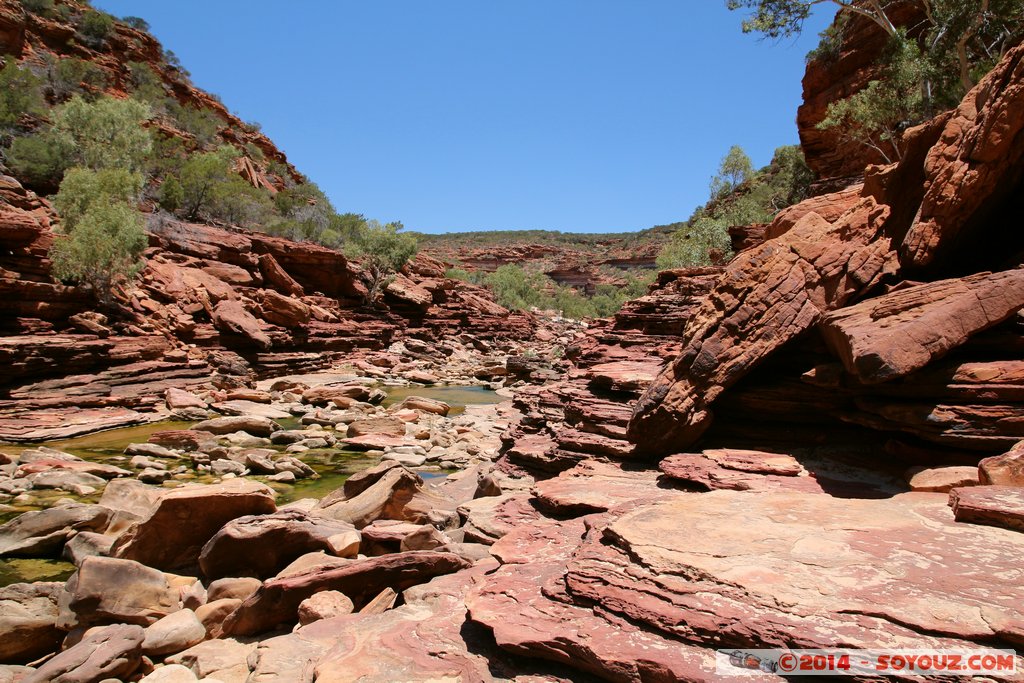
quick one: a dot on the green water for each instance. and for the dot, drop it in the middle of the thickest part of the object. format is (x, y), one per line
(457, 397)
(334, 466)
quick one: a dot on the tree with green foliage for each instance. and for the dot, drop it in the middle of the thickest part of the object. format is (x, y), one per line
(103, 249)
(83, 188)
(931, 68)
(705, 241)
(21, 93)
(102, 231)
(72, 76)
(201, 124)
(734, 170)
(382, 249)
(107, 133)
(877, 115)
(95, 27)
(137, 23)
(515, 287)
(210, 187)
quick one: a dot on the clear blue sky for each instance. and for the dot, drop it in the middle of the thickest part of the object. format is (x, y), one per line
(573, 115)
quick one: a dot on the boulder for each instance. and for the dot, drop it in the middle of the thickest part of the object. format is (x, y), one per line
(261, 545)
(425, 405)
(1004, 470)
(488, 519)
(283, 310)
(170, 673)
(377, 426)
(182, 521)
(277, 601)
(222, 660)
(255, 425)
(277, 276)
(941, 479)
(28, 621)
(236, 588)
(387, 498)
(112, 652)
(173, 633)
(43, 533)
(177, 399)
(107, 590)
(324, 605)
(86, 544)
(230, 316)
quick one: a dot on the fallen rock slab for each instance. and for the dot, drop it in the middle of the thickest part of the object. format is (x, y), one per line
(106, 590)
(893, 335)
(261, 545)
(277, 601)
(1001, 506)
(255, 425)
(43, 533)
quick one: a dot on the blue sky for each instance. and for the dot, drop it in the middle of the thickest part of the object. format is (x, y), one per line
(572, 115)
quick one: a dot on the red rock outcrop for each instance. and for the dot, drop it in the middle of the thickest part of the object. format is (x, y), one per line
(774, 293)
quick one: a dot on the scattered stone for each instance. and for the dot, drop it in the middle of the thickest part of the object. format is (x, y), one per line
(43, 533)
(256, 426)
(107, 590)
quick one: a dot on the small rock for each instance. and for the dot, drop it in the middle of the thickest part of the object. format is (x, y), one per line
(173, 633)
(324, 605)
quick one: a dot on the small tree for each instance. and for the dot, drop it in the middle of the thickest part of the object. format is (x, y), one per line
(137, 23)
(382, 250)
(107, 133)
(734, 170)
(20, 93)
(95, 27)
(704, 242)
(103, 249)
(82, 188)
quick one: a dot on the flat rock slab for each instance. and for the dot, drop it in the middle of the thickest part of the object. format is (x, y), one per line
(251, 408)
(56, 424)
(111, 652)
(730, 568)
(594, 486)
(893, 335)
(525, 606)
(488, 519)
(43, 533)
(993, 505)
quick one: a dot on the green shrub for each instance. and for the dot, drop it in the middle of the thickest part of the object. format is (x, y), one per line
(202, 124)
(95, 27)
(82, 188)
(137, 23)
(102, 249)
(211, 188)
(382, 250)
(172, 195)
(68, 76)
(704, 242)
(147, 86)
(40, 159)
(43, 8)
(107, 133)
(21, 92)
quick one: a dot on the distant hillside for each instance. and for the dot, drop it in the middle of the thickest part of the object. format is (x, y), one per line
(579, 260)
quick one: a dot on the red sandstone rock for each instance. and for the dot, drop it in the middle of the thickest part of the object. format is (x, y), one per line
(283, 310)
(261, 545)
(893, 335)
(973, 168)
(231, 316)
(1001, 506)
(1004, 470)
(183, 520)
(113, 652)
(278, 600)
